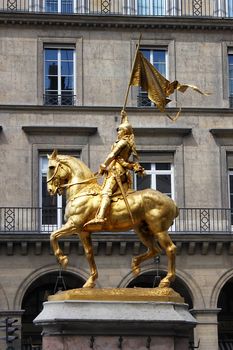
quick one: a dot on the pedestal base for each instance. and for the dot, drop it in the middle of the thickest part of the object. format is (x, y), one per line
(109, 325)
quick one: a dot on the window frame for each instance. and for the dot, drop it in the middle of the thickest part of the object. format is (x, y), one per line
(73, 42)
(59, 7)
(142, 95)
(59, 75)
(230, 78)
(169, 46)
(60, 207)
(155, 172)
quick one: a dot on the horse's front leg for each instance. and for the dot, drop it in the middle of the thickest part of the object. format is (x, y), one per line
(88, 249)
(170, 249)
(66, 230)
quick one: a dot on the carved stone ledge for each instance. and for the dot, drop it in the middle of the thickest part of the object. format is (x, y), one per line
(119, 21)
(117, 244)
(74, 130)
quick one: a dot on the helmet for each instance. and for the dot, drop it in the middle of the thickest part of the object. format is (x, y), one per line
(125, 125)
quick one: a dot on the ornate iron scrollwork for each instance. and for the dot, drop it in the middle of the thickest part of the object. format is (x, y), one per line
(205, 220)
(11, 5)
(9, 219)
(197, 7)
(105, 6)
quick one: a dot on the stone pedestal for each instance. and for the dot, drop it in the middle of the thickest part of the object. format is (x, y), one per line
(109, 325)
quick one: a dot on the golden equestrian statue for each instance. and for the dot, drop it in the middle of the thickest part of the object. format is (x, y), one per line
(113, 207)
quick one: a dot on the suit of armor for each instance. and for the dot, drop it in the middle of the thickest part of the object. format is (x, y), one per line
(116, 168)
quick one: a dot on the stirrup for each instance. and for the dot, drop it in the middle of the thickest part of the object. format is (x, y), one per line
(95, 222)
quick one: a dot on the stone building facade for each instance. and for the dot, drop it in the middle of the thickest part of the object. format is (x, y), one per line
(63, 78)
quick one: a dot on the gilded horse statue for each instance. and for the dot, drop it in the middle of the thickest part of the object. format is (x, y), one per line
(152, 211)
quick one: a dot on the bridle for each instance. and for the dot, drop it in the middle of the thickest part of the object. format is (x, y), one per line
(96, 175)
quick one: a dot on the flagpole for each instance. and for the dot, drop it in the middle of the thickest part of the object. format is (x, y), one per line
(135, 57)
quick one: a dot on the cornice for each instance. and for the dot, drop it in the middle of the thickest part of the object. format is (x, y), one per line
(117, 21)
(221, 132)
(162, 131)
(78, 130)
(118, 244)
(186, 111)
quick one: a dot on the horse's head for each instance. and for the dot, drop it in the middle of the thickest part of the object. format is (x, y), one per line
(57, 174)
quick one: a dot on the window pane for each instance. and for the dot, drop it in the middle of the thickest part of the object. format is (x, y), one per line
(163, 166)
(51, 83)
(143, 7)
(67, 54)
(67, 68)
(230, 8)
(51, 54)
(158, 7)
(159, 55)
(143, 182)
(231, 183)
(163, 183)
(50, 68)
(66, 83)
(146, 53)
(66, 6)
(231, 86)
(51, 5)
(146, 166)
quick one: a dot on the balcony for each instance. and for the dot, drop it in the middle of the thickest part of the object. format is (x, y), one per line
(193, 8)
(45, 220)
(59, 100)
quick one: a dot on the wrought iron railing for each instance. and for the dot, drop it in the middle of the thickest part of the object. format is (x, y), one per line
(231, 101)
(31, 347)
(59, 100)
(197, 8)
(46, 220)
(225, 345)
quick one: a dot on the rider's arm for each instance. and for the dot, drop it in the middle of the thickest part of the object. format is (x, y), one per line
(120, 145)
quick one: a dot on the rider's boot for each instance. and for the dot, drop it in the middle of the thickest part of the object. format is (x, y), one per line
(100, 219)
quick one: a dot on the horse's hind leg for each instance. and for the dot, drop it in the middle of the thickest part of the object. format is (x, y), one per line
(88, 249)
(147, 238)
(66, 230)
(170, 249)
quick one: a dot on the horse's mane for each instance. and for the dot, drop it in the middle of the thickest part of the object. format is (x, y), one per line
(77, 166)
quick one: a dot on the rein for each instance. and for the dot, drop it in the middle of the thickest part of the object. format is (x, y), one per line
(96, 175)
(80, 182)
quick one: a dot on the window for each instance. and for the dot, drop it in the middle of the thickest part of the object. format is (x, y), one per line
(230, 183)
(62, 6)
(158, 58)
(59, 73)
(229, 5)
(52, 208)
(159, 174)
(230, 74)
(151, 7)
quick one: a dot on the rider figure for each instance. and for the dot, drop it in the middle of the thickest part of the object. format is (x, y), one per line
(116, 168)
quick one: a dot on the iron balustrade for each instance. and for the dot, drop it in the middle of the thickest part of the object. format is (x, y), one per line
(59, 100)
(47, 219)
(193, 8)
(225, 344)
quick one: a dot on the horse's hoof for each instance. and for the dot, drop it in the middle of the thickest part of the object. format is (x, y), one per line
(63, 261)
